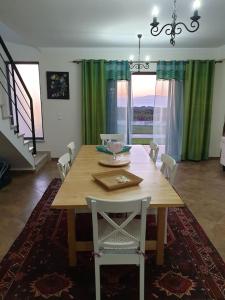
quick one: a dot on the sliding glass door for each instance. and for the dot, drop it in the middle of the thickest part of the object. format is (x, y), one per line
(142, 107)
(148, 110)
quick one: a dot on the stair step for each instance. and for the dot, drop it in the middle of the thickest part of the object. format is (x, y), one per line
(26, 142)
(41, 158)
(20, 135)
(6, 117)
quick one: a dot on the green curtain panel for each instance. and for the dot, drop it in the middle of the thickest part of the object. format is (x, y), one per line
(198, 90)
(93, 100)
(118, 70)
(115, 72)
(168, 70)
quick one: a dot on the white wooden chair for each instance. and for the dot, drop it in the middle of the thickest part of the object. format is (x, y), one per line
(111, 137)
(169, 167)
(63, 165)
(154, 151)
(119, 240)
(71, 149)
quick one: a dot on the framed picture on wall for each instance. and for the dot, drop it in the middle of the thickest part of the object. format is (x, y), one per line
(58, 85)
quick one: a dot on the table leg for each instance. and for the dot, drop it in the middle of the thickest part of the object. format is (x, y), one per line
(160, 235)
(71, 237)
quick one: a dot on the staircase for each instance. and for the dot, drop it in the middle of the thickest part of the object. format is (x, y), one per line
(15, 116)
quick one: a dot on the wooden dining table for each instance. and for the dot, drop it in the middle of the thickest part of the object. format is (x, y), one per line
(79, 184)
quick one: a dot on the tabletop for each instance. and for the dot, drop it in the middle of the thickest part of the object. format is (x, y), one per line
(79, 182)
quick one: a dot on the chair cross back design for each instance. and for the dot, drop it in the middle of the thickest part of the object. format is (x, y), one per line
(154, 150)
(111, 137)
(63, 165)
(119, 240)
(119, 229)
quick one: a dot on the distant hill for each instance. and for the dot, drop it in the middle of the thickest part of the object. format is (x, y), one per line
(150, 100)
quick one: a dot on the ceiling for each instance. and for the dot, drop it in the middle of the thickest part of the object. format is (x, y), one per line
(104, 23)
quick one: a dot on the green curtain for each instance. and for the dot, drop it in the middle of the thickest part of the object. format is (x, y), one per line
(93, 100)
(168, 70)
(118, 70)
(198, 89)
(115, 71)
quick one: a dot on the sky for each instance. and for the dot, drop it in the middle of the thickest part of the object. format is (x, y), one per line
(146, 91)
(143, 85)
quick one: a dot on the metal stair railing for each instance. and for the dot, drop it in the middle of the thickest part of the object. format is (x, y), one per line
(12, 87)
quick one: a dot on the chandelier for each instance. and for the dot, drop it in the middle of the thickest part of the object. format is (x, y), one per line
(175, 28)
(139, 65)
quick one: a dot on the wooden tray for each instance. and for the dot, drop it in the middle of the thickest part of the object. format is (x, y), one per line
(110, 162)
(116, 179)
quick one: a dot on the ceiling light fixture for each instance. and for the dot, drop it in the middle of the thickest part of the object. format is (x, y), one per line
(139, 65)
(175, 28)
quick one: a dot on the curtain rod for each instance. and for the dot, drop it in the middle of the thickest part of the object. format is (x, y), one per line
(150, 61)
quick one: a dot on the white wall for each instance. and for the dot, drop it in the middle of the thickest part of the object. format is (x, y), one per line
(218, 110)
(3, 94)
(62, 118)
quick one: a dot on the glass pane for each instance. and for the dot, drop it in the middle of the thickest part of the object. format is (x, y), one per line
(143, 101)
(30, 75)
(122, 106)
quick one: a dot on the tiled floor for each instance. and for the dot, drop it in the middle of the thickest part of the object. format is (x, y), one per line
(201, 186)
(18, 199)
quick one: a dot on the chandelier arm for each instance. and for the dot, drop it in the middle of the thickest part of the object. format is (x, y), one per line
(173, 30)
(178, 29)
(139, 66)
(155, 31)
(169, 30)
(194, 24)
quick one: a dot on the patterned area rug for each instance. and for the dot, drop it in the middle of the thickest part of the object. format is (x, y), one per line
(36, 266)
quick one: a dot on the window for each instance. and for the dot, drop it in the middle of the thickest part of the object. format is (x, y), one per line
(148, 110)
(142, 104)
(29, 71)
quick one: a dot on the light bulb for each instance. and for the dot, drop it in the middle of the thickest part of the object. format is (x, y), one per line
(196, 4)
(155, 11)
(147, 58)
(131, 57)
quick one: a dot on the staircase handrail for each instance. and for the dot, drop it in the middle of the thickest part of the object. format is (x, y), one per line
(11, 61)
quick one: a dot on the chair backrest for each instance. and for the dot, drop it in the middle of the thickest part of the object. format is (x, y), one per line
(63, 165)
(71, 149)
(111, 137)
(154, 150)
(131, 208)
(169, 167)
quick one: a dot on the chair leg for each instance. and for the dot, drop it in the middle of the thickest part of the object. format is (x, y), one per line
(142, 279)
(165, 238)
(97, 281)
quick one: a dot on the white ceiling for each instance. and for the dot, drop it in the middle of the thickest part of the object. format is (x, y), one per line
(107, 23)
